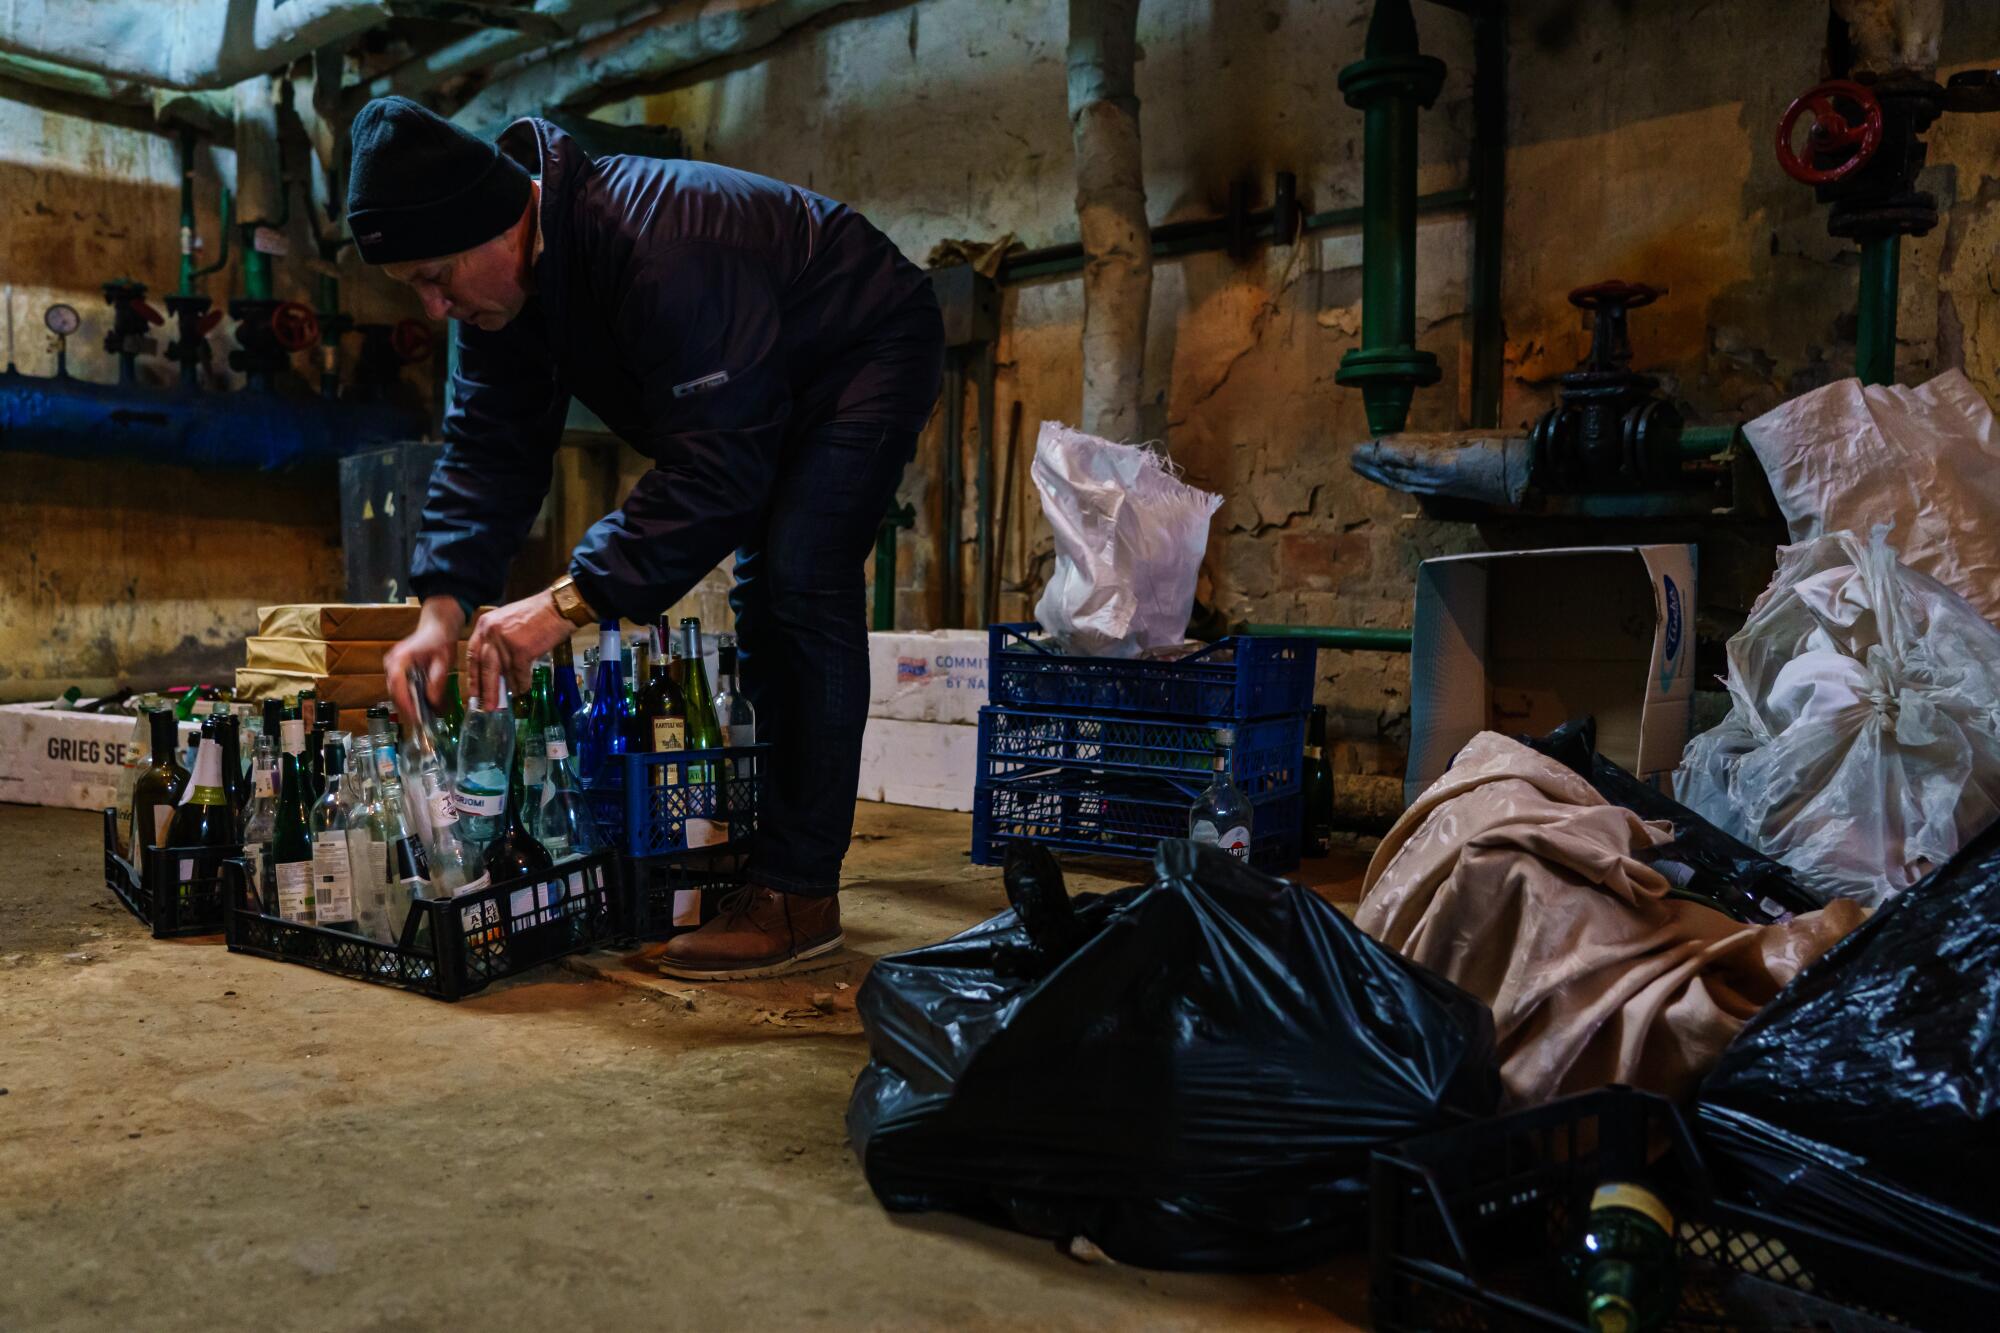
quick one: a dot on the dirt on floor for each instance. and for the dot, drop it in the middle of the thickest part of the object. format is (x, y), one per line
(196, 1139)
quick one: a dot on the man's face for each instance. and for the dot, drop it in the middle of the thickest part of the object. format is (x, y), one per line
(482, 286)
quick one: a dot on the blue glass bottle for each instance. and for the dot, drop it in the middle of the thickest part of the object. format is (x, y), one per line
(600, 742)
(565, 698)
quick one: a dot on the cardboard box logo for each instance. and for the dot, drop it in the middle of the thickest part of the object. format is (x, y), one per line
(912, 671)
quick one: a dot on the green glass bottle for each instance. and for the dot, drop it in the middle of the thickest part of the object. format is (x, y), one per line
(157, 791)
(206, 818)
(453, 716)
(1627, 1267)
(703, 731)
(291, 840)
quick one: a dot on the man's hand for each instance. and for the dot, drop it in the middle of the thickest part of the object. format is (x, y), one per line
(429, 648)
(508, 639)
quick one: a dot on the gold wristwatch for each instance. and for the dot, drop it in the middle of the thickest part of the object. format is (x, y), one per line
(569, 602)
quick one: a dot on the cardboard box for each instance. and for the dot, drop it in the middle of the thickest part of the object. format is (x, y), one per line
(317, 657)
(345, 621)
(1520, 642)
(346, 691)
(929, 764)
(51, 756)
(934, 676)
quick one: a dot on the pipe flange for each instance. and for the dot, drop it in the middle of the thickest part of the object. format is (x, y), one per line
(1416, 77)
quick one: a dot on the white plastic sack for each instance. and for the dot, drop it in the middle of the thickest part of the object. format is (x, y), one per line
(1862, 745)
(1925, 460)
(1129, 541)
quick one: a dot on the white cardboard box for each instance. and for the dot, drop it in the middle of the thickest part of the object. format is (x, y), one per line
(927, 676)
(929, 764)
(1522, 641)
(50, 756)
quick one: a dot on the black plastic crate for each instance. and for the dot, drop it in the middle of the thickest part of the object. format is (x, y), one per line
(1469, 1226)
(1111, 814)
(1231, 679)
(450, 947)
(1267, 759)
(181, 892)
(647, 814)
(647, 903)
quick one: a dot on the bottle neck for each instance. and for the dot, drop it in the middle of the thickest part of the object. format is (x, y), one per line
(166, 737)
(207, 780)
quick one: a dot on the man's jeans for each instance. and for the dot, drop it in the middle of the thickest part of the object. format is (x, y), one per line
(802, 632)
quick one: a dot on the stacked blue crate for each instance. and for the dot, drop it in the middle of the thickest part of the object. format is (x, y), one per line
(1104, 755)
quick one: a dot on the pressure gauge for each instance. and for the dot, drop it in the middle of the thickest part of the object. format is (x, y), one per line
(62, 320)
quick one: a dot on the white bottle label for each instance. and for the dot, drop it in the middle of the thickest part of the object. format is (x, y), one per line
(295, 891)
(472, 803)
(267, 782)
(1235, 841)
(705, 833)
(443, 813)
(253, 853)
(558, 748)
(333, 877)
(534, 771)
(472, 886)
(687, 907)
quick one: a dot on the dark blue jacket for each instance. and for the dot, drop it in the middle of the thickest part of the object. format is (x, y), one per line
(707, 316)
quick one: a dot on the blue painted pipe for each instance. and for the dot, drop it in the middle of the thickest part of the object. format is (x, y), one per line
(247, 430)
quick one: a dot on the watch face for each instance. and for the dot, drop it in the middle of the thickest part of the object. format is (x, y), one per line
(62, 320)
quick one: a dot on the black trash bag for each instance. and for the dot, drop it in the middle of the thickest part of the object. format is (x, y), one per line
(1191, 1074)
(1866, 1097)
(1702, 861)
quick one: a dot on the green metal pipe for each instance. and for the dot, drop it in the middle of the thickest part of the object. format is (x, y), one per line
(1708, 441)
(899, 516)
(1389, 85)
(186, 287)
(222, 230)
(1346, 638)
(1489, 184)
(1875, 315)
(256, 267)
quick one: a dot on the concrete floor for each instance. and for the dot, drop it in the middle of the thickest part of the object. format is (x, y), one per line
(195, 1139)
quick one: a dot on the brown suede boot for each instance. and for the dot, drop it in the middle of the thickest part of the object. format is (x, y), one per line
(758, 933)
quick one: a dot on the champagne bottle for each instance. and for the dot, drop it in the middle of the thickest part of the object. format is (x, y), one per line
(564, 695)
(332, 871)
(205, 818)
(291, 837)
(565, 826)
(601, 740)
(663, 719)
(1221, 816)
(157, 791)
(1627, 1267)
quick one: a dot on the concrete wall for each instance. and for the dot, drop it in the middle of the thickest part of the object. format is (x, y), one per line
(131, 572)
(1641, 148)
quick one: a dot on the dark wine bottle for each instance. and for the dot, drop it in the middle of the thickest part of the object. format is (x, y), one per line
(205, 818)
(157, 790)
(514, 853)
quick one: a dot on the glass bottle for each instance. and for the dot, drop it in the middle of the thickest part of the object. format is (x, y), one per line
(642, 660)
(703, 733)
(513, 853)
(1627, 1267)
(333, 872)
(428, 794)
(732, 707)
(601, 740)
(408, 866)
(1317, 808)
(157, 791)
(564, 696)
(1221, 816)
(452, 720)
(291, 837)
(228, 739)
(485, 756)
(136, 759)
(204, 818)
(260, 820)
(367, 854)
(565, 825)
(663, 720)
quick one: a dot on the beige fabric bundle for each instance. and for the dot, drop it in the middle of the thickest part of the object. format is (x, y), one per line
(1513, 878)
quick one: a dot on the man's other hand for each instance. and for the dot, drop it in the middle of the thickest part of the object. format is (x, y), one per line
(429, 649)
(508, 639)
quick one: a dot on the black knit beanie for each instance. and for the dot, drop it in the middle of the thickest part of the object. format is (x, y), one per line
(422, 188)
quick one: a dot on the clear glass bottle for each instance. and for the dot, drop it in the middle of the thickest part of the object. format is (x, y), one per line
(408, 865)
(260, 820)
(732, 707)
(1221, 816)
(291, 839)
(485, 754)
(333, 871)
(428, 793)
(565, 825)
(367, 853)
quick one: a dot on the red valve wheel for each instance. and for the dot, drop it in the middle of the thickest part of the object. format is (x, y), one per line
(1628, 295)
(147, 313)
(1858, 130)
(206, 324)
(294, 326)
(411, 341)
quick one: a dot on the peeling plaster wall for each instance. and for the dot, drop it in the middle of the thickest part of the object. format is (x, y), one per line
(1641, 148)
(130, 572)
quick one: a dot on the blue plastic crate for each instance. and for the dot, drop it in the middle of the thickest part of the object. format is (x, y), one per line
(1268, 758)
(1229, 680)
(1112, 815)
(647, 812)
